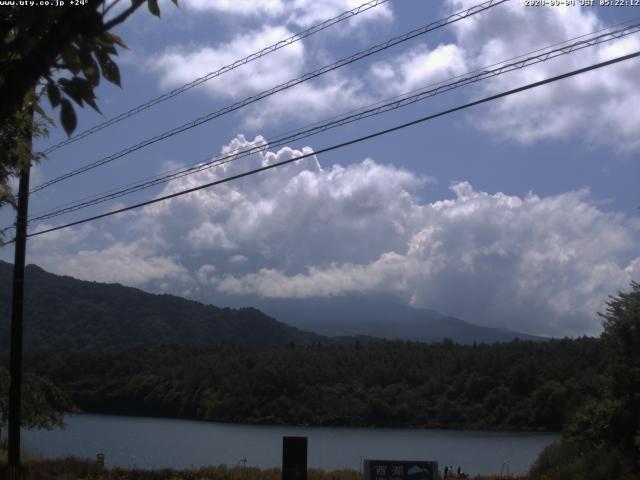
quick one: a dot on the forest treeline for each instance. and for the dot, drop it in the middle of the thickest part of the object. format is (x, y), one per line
(516, 386)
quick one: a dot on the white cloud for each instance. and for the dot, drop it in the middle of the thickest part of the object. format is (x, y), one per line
(271, 8)
(180, 65)
(595, 106)
(309, 101)
(337, 279)
(333, 92)
(266, 215)
(126, 263)
(238, 259)
(203, 273)
(537, 264)
(65, 236)
(308, 12)
(419, 67)
(301, 13)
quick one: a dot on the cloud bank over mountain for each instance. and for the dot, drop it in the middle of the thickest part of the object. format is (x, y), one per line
(535, 264)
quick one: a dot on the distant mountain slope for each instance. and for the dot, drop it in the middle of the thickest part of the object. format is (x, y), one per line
(63, 314)
(380, 317)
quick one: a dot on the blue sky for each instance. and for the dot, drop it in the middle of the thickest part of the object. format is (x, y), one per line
(522, 213)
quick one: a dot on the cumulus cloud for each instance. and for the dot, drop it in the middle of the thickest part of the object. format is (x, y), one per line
(310, 101)
(336, 91)
(308, 12)
(127, 263)
(180, 65)
(537, 264)
(418, 67)
(271, 8)
(302, 13)
(291, 213)
(595, 105)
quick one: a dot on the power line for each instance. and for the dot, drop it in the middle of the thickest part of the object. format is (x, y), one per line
(403, 101)
(291, 83)
(207, 163)
(612, 33)
(398, 102)
(222, 70)
(344, 144)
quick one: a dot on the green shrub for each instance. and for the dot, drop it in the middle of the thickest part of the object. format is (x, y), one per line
(567, 461)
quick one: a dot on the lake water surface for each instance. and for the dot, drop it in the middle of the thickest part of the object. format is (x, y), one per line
(162, 443)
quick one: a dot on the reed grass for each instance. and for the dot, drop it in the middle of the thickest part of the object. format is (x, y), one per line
(72, 468)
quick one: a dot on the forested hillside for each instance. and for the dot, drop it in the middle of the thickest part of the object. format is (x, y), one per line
(519, 385)
(63, 313)
(66, 314)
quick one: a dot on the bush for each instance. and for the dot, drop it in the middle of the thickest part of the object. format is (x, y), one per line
(566, 461)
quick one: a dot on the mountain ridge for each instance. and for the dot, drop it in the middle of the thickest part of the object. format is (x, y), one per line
(65, 313)
(384, 318)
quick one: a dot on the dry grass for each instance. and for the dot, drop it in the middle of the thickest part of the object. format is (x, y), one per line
(71, 468)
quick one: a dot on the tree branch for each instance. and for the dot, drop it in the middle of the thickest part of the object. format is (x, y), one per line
(108, 8)
(123, 16)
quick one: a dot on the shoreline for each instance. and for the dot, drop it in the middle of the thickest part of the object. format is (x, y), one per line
(150, 442)
(289, 425)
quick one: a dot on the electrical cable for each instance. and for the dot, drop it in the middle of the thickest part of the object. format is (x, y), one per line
(343, 144)
(291, 83)
(398, 102)
(222, 70)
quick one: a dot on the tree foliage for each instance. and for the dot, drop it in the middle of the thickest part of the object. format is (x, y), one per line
(68, 50)
(386, 384)
(61, 53)
(43, 403)
(602, 437)
(622, 338)
(15, 144)
(66, 314)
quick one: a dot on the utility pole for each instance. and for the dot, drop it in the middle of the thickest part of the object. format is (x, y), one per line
(14, 471)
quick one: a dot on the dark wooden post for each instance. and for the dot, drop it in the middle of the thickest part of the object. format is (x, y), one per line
(15, 359)
(294, 458)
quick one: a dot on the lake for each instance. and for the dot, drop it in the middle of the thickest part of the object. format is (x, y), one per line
(162, 443)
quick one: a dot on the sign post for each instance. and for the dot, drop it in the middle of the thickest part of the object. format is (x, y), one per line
(400, 470)
(294, 458)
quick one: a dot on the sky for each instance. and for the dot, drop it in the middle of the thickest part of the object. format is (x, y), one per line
(521, 213)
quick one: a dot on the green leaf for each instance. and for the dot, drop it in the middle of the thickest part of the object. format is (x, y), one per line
(90, 68)
(92, 74)
(71, 58)
(38, 109)
(80, 90)
(175, 2)
(91, 101)
(71, 88)
(105, 42)
(110, 70)
(53, 92)
(153, 7)
(68, 116)
(117, 40)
